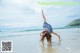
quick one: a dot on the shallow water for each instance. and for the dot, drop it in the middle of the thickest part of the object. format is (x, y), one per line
(29, 42)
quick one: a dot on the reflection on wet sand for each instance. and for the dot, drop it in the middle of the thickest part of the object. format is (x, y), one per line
(48, 49)
(51, 48)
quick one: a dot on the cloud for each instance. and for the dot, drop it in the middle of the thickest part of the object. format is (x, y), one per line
(25, 13)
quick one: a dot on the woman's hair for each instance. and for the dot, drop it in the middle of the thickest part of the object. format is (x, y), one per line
(47, 35)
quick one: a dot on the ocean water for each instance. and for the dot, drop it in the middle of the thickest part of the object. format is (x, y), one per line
(24, 41)
(17, 33)
(10, 32)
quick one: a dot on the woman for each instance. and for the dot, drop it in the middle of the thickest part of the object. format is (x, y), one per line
(48, 27)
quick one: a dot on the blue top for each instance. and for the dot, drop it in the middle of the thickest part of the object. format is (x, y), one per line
(48, 27)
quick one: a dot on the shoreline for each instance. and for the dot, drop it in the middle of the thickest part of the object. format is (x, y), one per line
(24, 42)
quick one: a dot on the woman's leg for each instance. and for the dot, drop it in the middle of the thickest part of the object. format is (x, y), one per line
(48, 37)
(42, 40)
(43, 16)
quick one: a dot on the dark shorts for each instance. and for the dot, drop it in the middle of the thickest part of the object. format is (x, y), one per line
(48, 27)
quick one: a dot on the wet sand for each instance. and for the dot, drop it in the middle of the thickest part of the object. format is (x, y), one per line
(30, 43)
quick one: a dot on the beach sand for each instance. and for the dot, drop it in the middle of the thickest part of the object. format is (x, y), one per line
(24, 42)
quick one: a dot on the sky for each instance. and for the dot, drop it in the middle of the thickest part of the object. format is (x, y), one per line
(27, 13)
